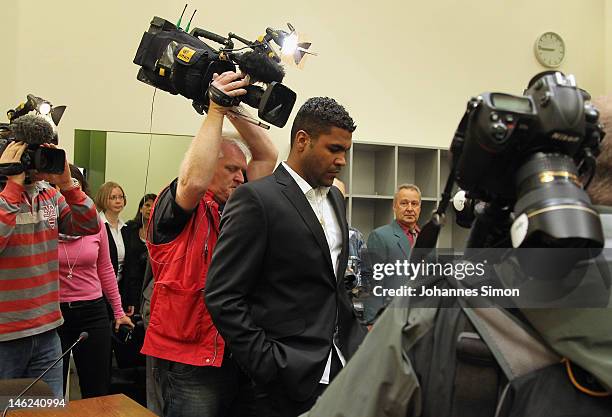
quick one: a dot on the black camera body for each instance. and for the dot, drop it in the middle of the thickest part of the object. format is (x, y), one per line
(502, 131)
(35, 157)
(529, 159)
(33, 129)
(124, 333)
(180, 63)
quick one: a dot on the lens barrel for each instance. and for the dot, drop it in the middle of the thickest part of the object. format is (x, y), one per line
(558, 211)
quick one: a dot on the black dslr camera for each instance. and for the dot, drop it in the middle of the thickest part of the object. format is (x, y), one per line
(180, 63)
(124, 334)
(500, 133)
(526, 160)
(33, 122)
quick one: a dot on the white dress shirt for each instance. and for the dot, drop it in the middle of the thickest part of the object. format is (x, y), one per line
(322, 208)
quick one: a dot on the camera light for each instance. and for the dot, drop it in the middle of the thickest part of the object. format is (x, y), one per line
(290, 44)
(44, 108)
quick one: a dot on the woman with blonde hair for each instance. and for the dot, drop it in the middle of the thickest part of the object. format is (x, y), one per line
(110, 201)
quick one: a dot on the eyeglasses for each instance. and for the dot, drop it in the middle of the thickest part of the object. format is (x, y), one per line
(404, 204)
(116, 197)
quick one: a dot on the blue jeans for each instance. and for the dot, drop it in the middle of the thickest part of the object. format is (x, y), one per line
(195, 391)
(154, 394)
(29, 356)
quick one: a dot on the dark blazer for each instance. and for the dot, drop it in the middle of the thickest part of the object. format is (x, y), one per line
(386, 245)
(113, 247)
(389, 243)
(136, 256)
(123, 287)
(271, 289)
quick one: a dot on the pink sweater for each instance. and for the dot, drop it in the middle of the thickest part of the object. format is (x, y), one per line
(93, 272)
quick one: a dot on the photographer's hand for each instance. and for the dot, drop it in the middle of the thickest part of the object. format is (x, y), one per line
(201, 159)
(229, 83)
(63, 180)
(123, 320)
(12, 154)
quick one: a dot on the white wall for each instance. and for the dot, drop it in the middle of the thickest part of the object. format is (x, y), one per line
(128, 165)
(404, 69)
(8, 29)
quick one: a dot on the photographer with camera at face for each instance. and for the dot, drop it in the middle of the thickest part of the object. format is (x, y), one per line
(197, 373)
(444, 357)
(32, 213)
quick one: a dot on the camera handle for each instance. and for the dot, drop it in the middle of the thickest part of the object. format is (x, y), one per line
(11, 168)
(221, 98)
(201, 33)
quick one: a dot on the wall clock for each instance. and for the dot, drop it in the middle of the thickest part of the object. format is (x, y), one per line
(549, 49)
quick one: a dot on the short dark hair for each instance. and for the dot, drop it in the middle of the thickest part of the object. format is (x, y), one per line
(318, 115)
(78, 175)
(143, 200)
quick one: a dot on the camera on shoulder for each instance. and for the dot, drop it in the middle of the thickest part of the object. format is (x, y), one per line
(179, 62)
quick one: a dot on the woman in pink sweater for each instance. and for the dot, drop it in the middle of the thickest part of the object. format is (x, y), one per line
(86, 273)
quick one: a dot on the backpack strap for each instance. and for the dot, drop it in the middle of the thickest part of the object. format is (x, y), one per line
(516, 350)
(477, 377)
(493, 339)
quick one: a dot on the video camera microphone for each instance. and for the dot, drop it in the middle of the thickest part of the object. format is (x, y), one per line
(32, 129)
(259, 67)
(82, 336)
(33, 123)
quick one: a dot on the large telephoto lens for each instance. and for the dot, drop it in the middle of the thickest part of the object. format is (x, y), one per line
(552, 207)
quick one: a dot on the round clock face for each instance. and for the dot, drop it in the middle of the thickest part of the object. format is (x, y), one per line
(550, 49)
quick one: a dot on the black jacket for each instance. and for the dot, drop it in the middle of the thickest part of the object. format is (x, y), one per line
(271, 289)
(136, 261)
(129, 287)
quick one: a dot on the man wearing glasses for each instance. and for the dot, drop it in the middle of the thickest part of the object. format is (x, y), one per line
(393, 242)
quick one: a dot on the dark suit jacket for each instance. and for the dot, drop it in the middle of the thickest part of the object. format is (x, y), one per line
(125, 291)
(386, 245)
(271, 289)
(112, 247)
(136, 256)
(389, 243)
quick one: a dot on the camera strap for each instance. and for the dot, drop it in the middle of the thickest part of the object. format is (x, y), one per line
(11, 168)
(221, 98)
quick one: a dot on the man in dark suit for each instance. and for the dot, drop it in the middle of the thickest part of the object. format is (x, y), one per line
(275, 285)
(393, 242)
(396, 239)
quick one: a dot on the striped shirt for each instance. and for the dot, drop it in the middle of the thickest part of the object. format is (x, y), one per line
(29, 223)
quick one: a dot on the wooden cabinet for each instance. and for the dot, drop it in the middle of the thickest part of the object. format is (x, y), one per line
(375, 170)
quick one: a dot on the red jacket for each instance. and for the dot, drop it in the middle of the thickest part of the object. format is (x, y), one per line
(180, 328)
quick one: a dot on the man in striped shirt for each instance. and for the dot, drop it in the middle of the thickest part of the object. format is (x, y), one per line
(31, 214)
